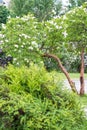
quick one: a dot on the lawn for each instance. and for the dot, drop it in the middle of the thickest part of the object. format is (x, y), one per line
(72, 75)
(83, 100)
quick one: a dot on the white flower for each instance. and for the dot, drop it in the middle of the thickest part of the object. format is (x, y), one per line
(9, 21)
(2, 36)
(85, 10)
(35, 26)
(17, 17)
(15, 50)
(56, 17)
(16, 45)
(24, 35)
(1, 42)
(34, 44)
(9, 17)
(23, 43)
(19, 51)
(25, 59)
(51, 22)
(17, 63)
(62, 22)
(60, 27)
(41, 62)
(18, 25)
(64, 17)
(53, 11)
(65, 34)
(14, 59)
(19, 39)
(24, 19)
(3, 26)
(6, 40)
(57, 27)
(30, 48)
(22, 46)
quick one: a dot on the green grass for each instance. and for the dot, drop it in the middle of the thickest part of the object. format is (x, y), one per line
(72, 75)
(83, 100)
(77, 75)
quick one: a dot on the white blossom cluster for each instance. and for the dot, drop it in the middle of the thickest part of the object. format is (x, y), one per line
(24, 35)
(55, 24)
(65, 34)
(3, 26)
(2, 36)
(27, 18)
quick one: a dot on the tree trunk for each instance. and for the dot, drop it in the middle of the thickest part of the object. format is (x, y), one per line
(72, 84)
(82, 73)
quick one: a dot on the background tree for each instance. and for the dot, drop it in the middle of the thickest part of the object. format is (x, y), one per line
(72, 4)
(75, 3)
(42, 9)
(4, 13)
(20, 7)
(77, 35)
(80, 2)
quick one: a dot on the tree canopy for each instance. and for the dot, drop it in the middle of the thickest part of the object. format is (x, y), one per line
(4, 13)
(42, 9)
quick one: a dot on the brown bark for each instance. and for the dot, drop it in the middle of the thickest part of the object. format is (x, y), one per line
(82, 73)
(72, 84)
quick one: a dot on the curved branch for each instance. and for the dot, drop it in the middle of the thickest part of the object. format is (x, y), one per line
(72, 84)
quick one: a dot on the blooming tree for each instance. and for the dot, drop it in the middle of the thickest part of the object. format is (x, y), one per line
(76, 26)
(28, 40)
(20, 39)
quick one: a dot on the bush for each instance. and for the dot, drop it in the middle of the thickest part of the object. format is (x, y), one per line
(33, 99)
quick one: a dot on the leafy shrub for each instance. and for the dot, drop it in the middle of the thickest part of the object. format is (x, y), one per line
(33, 99)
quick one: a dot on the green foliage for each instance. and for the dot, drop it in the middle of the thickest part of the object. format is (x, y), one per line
(76, 27)
(26, 39)
(80, 2)
(75, 3)
(54, 35)
(4, 13)
(42, 9)
(72, 4)
(83, 99)
(21, 7)
(20, 39)
(33, 99)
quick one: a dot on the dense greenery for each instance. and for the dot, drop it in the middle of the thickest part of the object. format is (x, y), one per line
(28, 39)
(38, 38)
(42, 9)
(75, 3)
(4, 13)
(21, 41)
(31, 98)
(76, 28)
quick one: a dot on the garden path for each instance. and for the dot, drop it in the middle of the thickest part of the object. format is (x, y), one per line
(77, 83)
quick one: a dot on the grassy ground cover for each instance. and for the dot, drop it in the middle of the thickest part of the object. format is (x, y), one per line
(34, 99)
(83, 100)
(72, 75)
